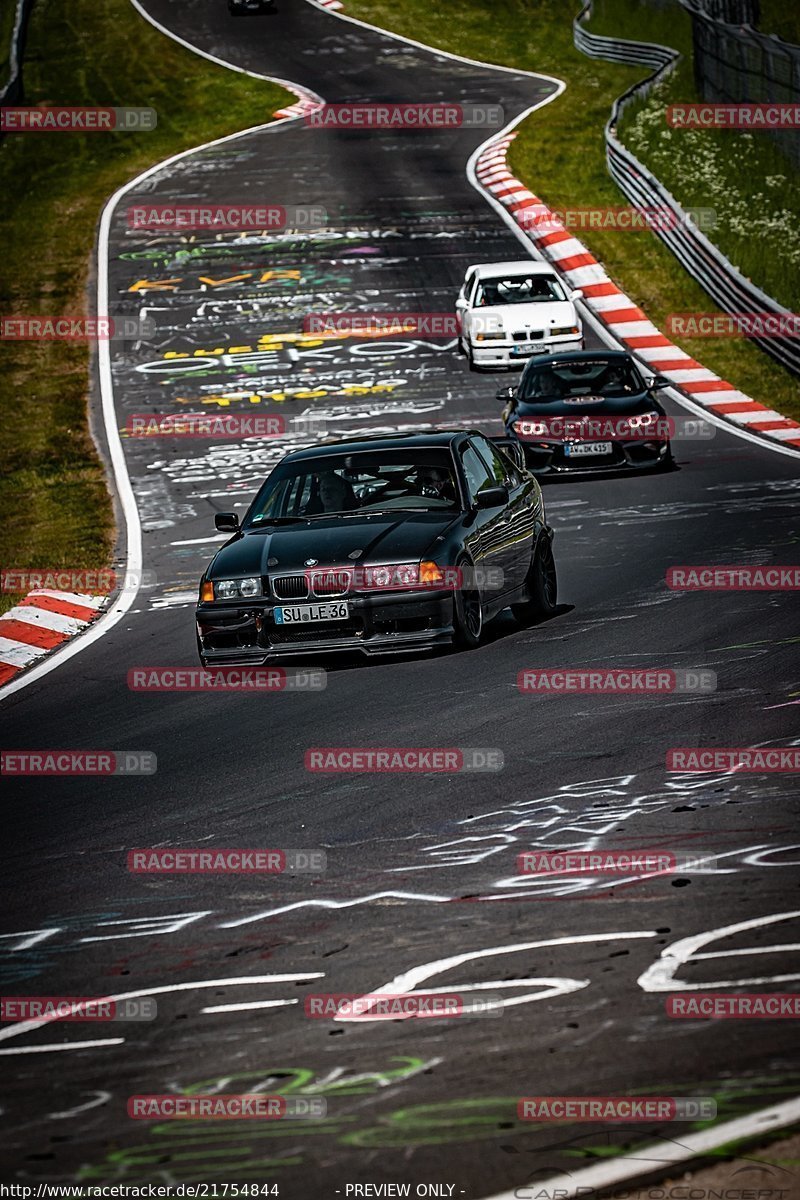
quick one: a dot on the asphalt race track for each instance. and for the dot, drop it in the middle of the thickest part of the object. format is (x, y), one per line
(421, 868)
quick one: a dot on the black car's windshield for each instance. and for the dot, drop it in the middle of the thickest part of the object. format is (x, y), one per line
(519, 289)
(580, 379)
(365, 482)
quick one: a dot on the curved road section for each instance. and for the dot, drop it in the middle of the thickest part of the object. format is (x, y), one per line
(422, 888)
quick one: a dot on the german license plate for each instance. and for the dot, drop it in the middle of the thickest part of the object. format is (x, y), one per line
(298, 614)
(586, 449)
(521, 351)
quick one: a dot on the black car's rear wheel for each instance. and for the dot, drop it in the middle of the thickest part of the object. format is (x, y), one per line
(541, 585)
(467, 611)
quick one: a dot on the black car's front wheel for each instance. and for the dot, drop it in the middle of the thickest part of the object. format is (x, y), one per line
(541, 586)
(467, 610)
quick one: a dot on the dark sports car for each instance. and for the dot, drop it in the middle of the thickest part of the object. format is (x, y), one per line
(245, 6)
(588, 410)
(383, 544)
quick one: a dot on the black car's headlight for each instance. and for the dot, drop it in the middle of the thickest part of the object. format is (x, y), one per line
(647, 420)
(231, 589)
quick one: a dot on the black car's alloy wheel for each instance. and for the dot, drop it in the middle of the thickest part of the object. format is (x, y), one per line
(467, 612)
(541, 585)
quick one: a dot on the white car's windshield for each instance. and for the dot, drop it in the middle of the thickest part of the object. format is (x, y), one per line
(518, 289)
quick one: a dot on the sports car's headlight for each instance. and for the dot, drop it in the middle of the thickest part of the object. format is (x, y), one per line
(495, 336)
(531, 428)
(567, 329)
(233, 589)
(643, 420)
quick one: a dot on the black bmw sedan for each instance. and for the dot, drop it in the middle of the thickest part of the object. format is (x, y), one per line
(382, 544)
(588, 410)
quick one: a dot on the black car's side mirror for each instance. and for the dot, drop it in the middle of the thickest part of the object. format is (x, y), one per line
(492, 497)
(504, 394)
(226, 522)
(656, 382)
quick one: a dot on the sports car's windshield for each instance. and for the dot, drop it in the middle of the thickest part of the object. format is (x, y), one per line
(351, 483)
(518, 289)
(601, 378)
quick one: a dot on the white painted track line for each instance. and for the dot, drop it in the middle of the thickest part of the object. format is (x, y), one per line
(658, 1157)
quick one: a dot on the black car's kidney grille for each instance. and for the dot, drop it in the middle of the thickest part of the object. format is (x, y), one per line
(290, 587)
(334, 582)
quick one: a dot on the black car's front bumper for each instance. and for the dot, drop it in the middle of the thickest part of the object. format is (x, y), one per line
(232, 633)
(553, 458)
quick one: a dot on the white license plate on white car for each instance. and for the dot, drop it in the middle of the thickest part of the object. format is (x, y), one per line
(587, 449)
(519, 351)
(299, 614)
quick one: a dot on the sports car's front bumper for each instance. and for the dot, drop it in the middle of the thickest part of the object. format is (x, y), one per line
(558, 458)
(386, 623)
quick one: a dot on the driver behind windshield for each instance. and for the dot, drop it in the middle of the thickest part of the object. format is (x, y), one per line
(579, 379)
(436, 483)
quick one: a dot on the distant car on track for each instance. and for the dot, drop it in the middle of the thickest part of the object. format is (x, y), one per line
(588, 411)
(237, 7)
(509, 311)
(383, 544)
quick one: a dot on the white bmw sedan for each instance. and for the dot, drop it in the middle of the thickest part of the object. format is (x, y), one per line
(509, 311)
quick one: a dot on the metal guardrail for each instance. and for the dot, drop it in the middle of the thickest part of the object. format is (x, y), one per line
(704, 261)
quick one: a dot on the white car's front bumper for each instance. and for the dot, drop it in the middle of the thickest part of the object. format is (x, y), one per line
(516, 354)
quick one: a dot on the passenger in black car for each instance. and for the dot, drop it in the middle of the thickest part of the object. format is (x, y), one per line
(331, 494)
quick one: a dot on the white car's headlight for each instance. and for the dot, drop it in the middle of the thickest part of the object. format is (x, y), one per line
(494, 336)
(574, 329)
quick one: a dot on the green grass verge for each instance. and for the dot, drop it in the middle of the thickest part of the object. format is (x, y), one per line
(781, 18)
(53, 493)
(560, 154)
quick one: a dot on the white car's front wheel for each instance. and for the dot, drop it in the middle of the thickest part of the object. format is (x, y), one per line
(473, 366)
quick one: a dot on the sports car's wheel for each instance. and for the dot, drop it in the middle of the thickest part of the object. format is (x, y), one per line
(473, 366)
(667, 463)
(467, 613)
(541, 586)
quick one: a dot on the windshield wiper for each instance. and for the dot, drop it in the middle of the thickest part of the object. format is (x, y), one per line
(274, 521)
(390, 512)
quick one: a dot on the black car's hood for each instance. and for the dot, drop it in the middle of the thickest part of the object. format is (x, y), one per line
(331, 541)
(607, 406)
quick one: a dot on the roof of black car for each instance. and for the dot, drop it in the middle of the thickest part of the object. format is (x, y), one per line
(383, 441)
